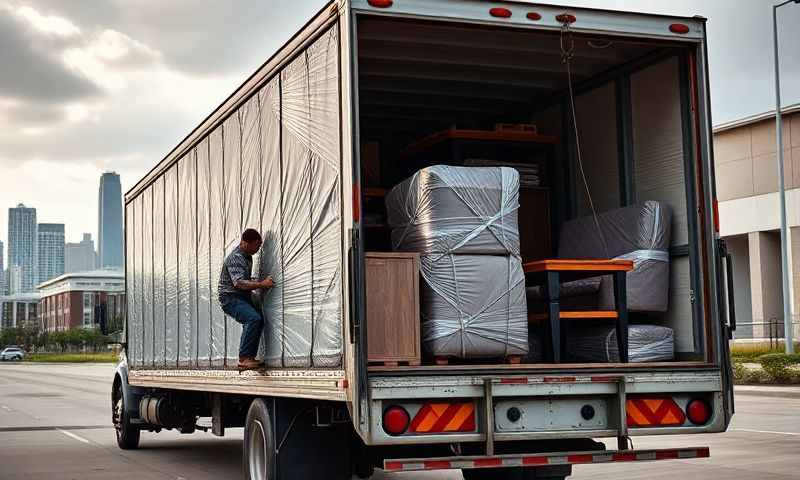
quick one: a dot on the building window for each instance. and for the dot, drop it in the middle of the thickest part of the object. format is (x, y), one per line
(88, 309)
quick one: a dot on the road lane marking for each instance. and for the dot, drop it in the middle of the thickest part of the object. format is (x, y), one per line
(793, 434)
(73, 436)
(52, 427)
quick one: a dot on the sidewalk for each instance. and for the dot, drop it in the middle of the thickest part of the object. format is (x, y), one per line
(787, 391)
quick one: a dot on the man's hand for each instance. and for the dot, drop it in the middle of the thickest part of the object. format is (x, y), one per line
(267, 283)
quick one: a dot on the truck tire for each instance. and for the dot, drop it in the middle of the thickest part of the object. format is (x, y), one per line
(128, 435)
(258, 457)
(512, 474)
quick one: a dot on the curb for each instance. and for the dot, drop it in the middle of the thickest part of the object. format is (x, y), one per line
(775, 392)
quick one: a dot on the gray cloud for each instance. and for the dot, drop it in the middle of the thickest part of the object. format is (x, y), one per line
(33, 73)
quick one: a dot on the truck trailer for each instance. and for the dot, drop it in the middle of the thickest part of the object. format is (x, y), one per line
(615, 108)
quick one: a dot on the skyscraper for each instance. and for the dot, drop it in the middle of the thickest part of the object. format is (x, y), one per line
(2, 271)
(50, 251)
(22, 246)
(80, 257)
(109, 228)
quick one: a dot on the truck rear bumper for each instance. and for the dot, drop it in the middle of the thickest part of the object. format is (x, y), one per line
(546, 407)
(542, 459)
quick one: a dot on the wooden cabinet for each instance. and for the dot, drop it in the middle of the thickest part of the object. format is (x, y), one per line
(393, 324)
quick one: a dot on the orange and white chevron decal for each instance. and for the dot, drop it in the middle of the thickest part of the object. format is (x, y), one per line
(654, 412)
(444, 417)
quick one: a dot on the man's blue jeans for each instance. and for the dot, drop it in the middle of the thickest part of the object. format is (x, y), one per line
(243, 311)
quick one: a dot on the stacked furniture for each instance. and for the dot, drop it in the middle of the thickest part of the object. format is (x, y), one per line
(463, 222)
(634, 276)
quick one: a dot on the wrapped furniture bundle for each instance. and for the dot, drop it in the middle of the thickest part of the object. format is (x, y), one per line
(640, 233)
(463, 210)
(464, 223)
(646, 343)
(473, 306)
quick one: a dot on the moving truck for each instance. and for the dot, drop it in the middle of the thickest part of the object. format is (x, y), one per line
(286, 154)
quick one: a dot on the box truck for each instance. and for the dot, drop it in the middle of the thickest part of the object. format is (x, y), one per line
(620, 102)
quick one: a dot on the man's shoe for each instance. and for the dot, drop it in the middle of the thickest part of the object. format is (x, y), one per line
(249, 364)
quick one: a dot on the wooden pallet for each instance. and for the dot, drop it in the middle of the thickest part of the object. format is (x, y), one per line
(399, 363)
(511, 359)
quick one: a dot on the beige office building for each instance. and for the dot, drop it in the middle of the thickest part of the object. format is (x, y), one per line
(749, 209)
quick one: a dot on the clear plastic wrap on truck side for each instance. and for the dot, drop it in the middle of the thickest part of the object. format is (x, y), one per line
(204, 279)
(272, 165)
(159, 286)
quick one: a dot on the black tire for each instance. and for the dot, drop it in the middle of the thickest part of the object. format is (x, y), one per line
(258, 454)
(128, 435)
(510, 474)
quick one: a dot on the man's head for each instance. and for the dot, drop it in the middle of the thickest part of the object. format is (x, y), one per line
(251, 241)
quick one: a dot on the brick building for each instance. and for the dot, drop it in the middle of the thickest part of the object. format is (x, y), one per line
(81, 299)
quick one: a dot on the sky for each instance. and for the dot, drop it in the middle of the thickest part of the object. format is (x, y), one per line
(113, 85)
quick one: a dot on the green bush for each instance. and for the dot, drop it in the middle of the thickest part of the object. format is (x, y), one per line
(777, 367)
(745, 376)
(751, 351)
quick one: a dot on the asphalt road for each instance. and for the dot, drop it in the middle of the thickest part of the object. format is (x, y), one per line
(55, 424)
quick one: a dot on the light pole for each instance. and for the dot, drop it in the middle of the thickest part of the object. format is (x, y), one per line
(787, 309)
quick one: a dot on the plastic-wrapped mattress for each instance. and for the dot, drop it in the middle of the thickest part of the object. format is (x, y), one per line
(640, 233)
(646, 343)
(473, 306)
(464, 210)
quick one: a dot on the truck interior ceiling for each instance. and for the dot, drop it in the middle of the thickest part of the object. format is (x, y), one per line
(618, 182)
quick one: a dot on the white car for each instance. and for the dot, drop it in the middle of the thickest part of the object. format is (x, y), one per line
(14, 354)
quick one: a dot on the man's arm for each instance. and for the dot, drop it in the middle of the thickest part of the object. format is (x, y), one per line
(249, 285)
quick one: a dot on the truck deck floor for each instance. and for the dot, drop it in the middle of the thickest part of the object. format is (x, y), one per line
(537, 367)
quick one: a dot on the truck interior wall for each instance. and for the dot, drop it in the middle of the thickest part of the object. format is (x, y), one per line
(273, 165)
(659, 175)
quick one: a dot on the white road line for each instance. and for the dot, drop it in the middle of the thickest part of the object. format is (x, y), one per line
(73, 436)
(793, 434)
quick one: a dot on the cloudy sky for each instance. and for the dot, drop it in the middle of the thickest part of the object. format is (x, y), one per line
(90, 86)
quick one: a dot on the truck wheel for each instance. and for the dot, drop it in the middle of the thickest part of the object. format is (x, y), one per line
(259, 445)
(127, 434)
(511, 474)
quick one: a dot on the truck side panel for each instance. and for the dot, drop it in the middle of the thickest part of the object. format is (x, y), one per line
(273, 164)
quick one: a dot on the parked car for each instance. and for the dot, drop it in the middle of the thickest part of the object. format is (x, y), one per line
(14, 354)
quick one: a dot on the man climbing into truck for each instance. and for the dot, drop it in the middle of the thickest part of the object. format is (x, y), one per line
(235, 296)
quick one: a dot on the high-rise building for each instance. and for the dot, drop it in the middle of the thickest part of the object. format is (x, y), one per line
(109, 228)
(2, 271)
(22, 245)
(80, 257)
(50, 250)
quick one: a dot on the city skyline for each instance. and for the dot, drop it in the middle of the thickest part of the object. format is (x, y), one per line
(22, 238)
(109, 222)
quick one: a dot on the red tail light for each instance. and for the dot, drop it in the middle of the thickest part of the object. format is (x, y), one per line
(698, 411)
(679, 28)
(566, 18)
(381, 3)
(396, 420)
(500, 12)
(534, 16)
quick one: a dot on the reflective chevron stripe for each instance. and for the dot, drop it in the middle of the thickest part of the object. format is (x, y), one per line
(544, 459)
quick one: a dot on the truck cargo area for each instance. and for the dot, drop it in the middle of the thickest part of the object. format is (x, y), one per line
(465, 94)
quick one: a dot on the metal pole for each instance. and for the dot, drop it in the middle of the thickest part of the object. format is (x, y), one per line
(787, 309)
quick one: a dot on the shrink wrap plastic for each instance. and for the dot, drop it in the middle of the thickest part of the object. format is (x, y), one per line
(473, 306)
(461, 210)
(640, 233)
(646, 343)
(274, 165)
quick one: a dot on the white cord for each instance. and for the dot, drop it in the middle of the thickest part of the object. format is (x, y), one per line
(566, 58)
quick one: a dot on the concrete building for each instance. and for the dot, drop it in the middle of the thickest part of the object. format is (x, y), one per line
(50, 250)
(19, 309)
(22, 239)
(747, 185)
(109, 227)
(80, 299)
(80, 257)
